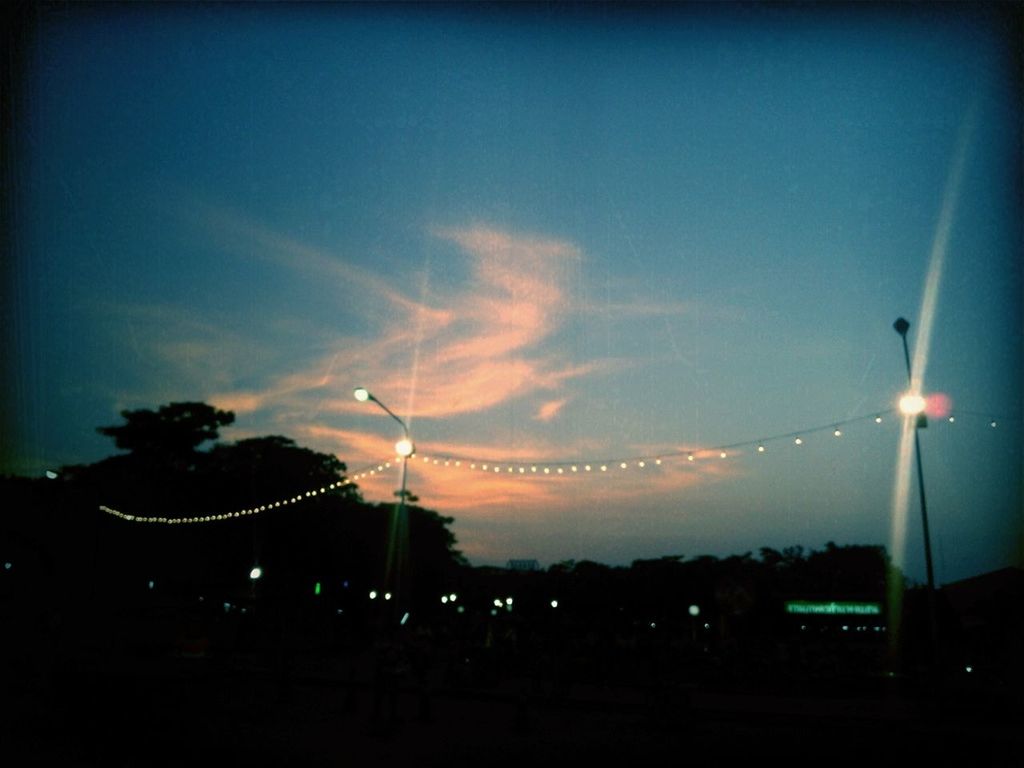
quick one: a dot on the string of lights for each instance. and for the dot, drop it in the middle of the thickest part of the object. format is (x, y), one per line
(249, 511)
(527, 468)
(558, 467)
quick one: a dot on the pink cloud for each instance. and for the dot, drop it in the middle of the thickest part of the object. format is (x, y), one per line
(550, 409)
(462, 349)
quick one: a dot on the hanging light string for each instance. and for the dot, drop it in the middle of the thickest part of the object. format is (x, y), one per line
(255, 510)
(540, 467)
(561, 467)
(523, 468)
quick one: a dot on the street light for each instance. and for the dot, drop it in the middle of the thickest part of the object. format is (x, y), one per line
(404, 448)
(913, 404)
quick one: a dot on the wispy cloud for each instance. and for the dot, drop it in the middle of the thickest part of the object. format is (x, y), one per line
(472, 345)
(550, 409)
(436, 351)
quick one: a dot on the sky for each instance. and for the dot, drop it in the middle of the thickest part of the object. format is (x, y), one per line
(544, 236)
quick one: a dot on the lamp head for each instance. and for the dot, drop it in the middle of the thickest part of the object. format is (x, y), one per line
(405, 448)
(902, 326)
(912, 404)
(362, 394)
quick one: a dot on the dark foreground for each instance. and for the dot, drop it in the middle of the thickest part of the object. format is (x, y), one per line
(323, 710)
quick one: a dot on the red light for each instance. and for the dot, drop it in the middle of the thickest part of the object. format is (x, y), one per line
(938, 405)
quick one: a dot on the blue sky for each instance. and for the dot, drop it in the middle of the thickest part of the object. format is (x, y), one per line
(539, 234)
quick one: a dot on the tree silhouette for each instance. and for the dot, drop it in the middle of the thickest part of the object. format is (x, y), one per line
(171, 433)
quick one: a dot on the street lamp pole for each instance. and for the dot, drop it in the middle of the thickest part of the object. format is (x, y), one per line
(901, 327)
(396, 539)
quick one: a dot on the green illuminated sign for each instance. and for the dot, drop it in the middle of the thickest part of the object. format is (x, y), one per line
(833, 608)
(316, 589)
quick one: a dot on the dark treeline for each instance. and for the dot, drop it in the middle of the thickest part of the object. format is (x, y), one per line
(152, 643)
(73, 566)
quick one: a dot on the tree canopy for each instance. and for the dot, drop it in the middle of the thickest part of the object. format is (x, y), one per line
(173, 431)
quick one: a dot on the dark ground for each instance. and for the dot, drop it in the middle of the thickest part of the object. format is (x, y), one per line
(103, 709)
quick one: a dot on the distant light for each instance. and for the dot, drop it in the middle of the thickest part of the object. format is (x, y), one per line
(387, 595)
(373, 594)
(707, 626)
(316, 588)
(151, 582)
(494, 611)
(554, 603)
(339, 611)
(452, 597)
(604, 468)
(845, 628)
(361, 394)
(658, 462)
(8, 565)
(641, 464)
(254, 574)
(952, 419)
(227, 607)
(444, 599)
(911, 404)
(508, 601)
(461, 609)
(993, 424)
(694, 610)
(404, 447)
(968, 669)
(799, 441)
(51, 475)
(405, 618)
(723, 454)
(622, 465)
(587, 467)
(760, 449)
(653, 625)
(497, 602)
(689, 457)
(838, 432)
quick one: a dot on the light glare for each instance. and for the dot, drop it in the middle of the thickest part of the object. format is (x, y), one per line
(911, 404)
